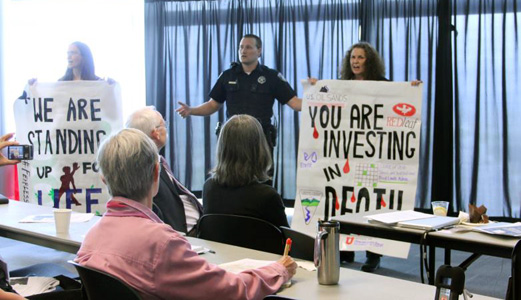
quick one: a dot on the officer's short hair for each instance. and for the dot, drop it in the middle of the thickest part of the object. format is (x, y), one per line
(258, 41)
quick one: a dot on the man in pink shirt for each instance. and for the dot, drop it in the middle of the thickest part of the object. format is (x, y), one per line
(133, 244)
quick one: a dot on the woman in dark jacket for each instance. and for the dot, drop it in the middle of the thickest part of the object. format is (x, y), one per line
(236, 185)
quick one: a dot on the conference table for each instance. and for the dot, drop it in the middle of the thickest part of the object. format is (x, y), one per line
(469, 241)
(352, 285)
(42, 234)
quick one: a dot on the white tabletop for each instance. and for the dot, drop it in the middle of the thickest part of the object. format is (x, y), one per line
(43, 234)
(470, 241)
(353, 284)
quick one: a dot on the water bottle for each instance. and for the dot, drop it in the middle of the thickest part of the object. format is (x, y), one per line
(327, 252)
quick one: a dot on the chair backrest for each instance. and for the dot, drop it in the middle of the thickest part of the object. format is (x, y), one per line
(241, 231)
(302, 244)
(516, 271)
(100, 285)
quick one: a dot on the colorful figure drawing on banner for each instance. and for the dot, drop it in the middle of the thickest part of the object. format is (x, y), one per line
(309, 199)
(309, 160)
(66, 122)
(358, 154)
(67, 179)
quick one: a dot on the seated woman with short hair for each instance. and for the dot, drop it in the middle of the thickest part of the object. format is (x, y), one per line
(236, 186)
(131, 243)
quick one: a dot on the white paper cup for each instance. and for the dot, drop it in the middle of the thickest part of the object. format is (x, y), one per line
(62, 220)
(440, 208)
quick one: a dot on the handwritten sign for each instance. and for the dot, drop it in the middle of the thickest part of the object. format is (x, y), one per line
(65, 123)
(358, 153)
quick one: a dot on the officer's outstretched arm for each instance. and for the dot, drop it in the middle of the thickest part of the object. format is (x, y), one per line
(295, 103)
(204, 109)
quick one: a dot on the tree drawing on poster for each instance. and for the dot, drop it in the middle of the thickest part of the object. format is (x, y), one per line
(358, 153)
(65, 123)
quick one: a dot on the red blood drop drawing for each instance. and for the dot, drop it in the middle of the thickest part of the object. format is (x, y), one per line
(383, 202)
(346, 167)
(353, 199)
(337, 204)
(315, 132)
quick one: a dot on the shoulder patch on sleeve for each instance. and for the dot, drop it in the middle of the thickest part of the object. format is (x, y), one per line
(281, 77)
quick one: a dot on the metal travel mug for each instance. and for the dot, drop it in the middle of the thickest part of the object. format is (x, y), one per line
(327, 252)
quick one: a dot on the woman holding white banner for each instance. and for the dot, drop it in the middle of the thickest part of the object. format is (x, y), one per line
(80, 63)
(80, 66)
(362, 62)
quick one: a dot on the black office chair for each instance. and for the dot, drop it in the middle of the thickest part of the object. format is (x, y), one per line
(241, 231)
(514, 282)
(100, 285)
(157, 211)
(302, 244)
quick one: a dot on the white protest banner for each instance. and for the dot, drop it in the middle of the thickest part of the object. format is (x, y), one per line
(65, 123)
(358, 154)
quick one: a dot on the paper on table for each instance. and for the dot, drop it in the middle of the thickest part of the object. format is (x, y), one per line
(392, 218)
(247, 264)
(244, 264)
(434, 223)
(27, 286)
(307, 265)
(506, 229)
(201, 250)
(49, 218)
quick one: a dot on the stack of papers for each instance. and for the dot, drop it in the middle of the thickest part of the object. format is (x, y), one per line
(413, 219)
(393, 218)
(506, 229)
(27, 286)
(436, 222)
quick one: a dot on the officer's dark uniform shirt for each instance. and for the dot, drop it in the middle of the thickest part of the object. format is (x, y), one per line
(252, 94)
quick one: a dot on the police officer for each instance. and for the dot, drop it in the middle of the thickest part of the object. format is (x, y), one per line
(248, 88)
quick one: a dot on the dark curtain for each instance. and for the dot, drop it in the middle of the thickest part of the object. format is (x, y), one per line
(189, 43)
(405, 33)
(466, 52)
(487, 87)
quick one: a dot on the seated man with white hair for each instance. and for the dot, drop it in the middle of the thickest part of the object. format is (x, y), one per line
(174, 203)
(133, 244)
